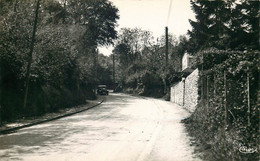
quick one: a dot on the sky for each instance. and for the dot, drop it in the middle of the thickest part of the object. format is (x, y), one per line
(153, 15)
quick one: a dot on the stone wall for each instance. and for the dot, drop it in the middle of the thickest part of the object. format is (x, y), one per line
(177, 92)
(191, 91)
(185, 93)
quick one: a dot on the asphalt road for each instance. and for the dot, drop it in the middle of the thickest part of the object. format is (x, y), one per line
(123, 128)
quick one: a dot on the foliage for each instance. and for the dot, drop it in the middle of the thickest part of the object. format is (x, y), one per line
(142, 61)
(64, 59)
(224, 25)
(226, 106)
(98, 16)
(225, 40)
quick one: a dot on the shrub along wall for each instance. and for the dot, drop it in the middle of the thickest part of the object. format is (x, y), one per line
(226, 120)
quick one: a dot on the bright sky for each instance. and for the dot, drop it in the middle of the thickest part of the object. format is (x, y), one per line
(153, 15)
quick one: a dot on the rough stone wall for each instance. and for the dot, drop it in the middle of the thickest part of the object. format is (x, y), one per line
(177, 92)
(191, 91)
(185, 93)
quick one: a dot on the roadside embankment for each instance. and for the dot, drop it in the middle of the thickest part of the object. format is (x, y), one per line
(9, 127)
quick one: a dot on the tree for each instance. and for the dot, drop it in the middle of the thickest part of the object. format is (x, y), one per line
(245, 25)
(131, 42)
(211, 27)
(98, 16)
(63, 57)
(224, 25)
(142, 60)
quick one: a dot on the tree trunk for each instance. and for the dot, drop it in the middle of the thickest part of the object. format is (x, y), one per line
(64, 16)
(15, 5)
(225, 97)
(248, 99)
(207, 91)
(215, 77)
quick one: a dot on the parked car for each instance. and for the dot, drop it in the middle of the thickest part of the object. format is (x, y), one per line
(102, 90)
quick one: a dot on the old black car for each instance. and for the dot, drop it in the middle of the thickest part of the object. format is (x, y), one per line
(102, 90)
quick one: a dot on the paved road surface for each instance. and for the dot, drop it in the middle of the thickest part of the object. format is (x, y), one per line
(124, 128)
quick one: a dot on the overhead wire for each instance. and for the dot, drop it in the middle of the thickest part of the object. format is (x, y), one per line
(169, 13)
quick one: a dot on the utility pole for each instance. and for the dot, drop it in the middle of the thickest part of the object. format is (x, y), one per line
(95, 52)
(114, 79)
(166, 59)
(30, 54)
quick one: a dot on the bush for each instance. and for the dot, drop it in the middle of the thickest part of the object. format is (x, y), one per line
(221, 120)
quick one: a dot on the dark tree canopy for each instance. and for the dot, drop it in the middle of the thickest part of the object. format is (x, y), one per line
(224, 25)
(99, 17)
(64, 59)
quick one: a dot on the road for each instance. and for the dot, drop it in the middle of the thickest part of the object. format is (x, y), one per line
(123, 128)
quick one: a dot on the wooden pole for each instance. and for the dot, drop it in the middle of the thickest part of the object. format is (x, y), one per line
(114, 79)
(30, 54)
(166, 58)
(95, 51)
(167, 48)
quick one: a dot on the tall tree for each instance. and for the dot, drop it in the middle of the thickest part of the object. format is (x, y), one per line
(211, 27)
(131, 42)
(98, 16)
(245, 25)
(129, 48)
(224, 25)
